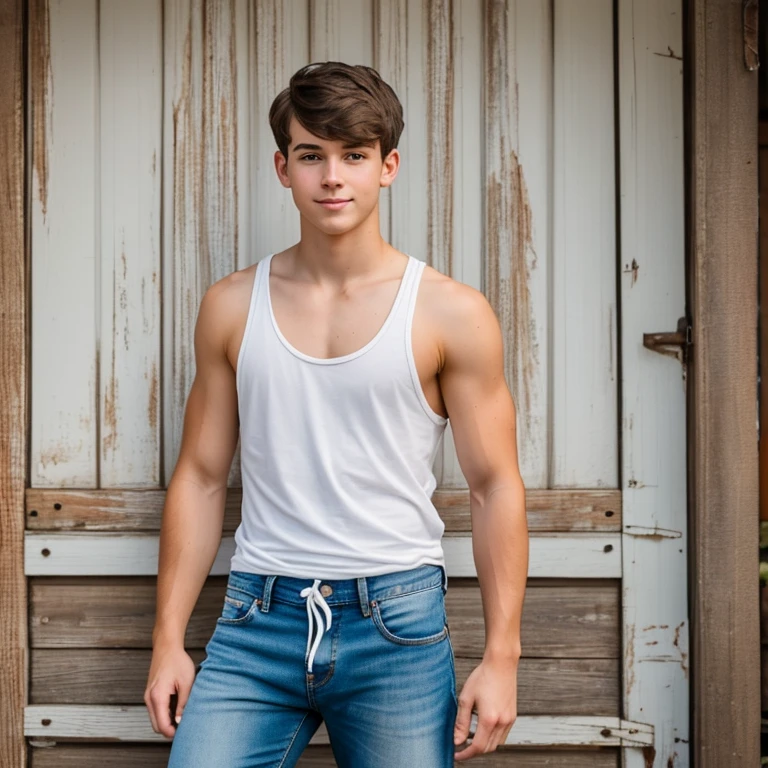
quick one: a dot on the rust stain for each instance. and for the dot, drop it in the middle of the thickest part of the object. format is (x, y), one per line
(683, 654)
(509, 232)
(41, 79)
(634, 269)
(629, 666)
(59, 454)
(669, 55)
(671, 760)
(649, 756)
(440, 145)
(509, 219)
(153, 396)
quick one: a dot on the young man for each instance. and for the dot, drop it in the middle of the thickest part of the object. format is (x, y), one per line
(339, 361)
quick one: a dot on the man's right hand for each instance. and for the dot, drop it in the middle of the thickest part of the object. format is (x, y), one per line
(172, 672)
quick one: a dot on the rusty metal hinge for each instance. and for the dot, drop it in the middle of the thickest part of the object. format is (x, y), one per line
(675, 344)
(749, 20)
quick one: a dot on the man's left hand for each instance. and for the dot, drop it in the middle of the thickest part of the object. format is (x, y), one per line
(491, 691)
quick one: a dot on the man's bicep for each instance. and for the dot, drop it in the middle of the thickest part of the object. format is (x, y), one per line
(210, 419)
(476, 395)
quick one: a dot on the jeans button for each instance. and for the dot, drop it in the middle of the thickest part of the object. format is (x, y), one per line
(325, 590)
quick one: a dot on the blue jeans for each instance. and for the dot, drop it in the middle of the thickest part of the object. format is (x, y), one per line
(369, 656)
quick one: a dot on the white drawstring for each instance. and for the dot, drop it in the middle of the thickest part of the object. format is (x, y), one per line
(314, 598)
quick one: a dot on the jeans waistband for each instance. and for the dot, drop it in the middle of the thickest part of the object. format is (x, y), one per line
(363, 589)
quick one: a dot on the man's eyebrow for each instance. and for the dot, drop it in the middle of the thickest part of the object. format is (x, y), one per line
(316, 147)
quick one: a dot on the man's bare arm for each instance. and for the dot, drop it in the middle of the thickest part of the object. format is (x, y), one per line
(482, 414)
(194, 504)
(194, 508)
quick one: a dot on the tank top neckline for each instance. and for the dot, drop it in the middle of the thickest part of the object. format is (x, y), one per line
(404, 280)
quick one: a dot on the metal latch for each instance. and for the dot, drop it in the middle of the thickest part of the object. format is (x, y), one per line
(675, 344)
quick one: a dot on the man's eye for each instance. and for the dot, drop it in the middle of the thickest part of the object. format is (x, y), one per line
(308, 157)
(356, 156)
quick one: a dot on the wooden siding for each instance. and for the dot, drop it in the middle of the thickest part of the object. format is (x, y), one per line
(655, 647)
(493, 114)
(725, 646)
(146, 756)
(14, 369)
(507, 184)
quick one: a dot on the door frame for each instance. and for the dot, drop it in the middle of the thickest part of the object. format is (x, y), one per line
(13, 388)
(722, 222)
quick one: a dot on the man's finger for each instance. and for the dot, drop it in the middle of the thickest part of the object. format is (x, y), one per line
(463, 719)
(150, 709)
(162, 702)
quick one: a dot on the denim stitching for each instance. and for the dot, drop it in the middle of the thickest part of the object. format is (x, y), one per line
(293, 738)
(378, 621)
(250, 612)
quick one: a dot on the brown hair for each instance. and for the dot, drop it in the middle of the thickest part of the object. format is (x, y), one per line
(339, 102)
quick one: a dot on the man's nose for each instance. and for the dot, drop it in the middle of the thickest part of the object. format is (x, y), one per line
(331, 176)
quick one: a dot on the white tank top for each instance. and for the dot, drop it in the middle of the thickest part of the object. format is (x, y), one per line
(336, 454)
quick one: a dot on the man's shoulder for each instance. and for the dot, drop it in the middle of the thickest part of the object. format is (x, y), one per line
(224, 306)
(450, 301)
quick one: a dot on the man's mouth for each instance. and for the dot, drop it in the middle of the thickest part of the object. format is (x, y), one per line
(334, 204)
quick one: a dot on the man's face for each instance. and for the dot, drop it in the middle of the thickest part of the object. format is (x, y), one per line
(335, 187)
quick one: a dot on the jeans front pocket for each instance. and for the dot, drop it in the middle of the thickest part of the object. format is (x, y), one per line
(238, 606)
(412, 618)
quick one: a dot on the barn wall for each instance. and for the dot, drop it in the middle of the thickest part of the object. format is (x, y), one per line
(152, 178)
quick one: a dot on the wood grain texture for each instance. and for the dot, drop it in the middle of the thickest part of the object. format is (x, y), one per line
(656, 660)
(723, 439)
(151, 756)
(129, 510)
(763, 321)
(130, 178)
(553, 555)
(584, 409)
(560, 619)
(131, 723)
(64, 243)
(100, 676)
(14, 292)
(200, 221)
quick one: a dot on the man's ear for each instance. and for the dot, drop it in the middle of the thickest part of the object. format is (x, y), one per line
(389, 168)
(281, 166)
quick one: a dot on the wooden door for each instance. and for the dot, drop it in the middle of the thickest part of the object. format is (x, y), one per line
(537, 167)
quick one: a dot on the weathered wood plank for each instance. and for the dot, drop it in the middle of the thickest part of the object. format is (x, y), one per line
(584, 410)
(723, 454)
(106, 676)
(341, 30)
(201, 192)
(105, 510)
(156, 756)
(554, 555)
(130, 170)
(14, 370)
(655, 603)
(517, 41)
(131, 723)
(64, 246)
(279, 46)
(560, 619)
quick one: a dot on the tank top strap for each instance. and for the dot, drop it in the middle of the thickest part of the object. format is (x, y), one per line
(410, 289)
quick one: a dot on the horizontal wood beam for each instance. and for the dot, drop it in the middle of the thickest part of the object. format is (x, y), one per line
(573, 619)
(554, 555)
(95, 676)
(142, 510)
(131, 723)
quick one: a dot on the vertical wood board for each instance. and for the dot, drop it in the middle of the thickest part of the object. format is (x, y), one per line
(583, 300)
(14, 637)
(130, 171)
(655, 541)
(65, 238)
